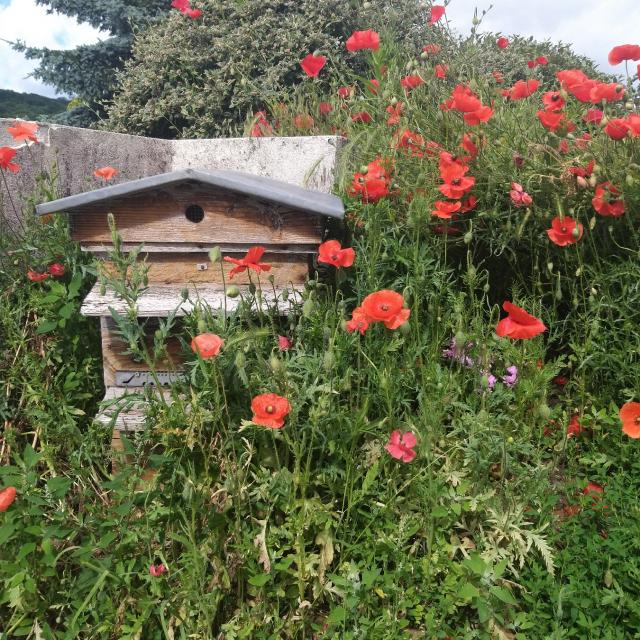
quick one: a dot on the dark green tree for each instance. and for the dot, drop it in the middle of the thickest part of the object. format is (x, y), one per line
(89, 71)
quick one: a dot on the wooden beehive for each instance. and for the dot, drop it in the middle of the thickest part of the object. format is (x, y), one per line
(179, 217)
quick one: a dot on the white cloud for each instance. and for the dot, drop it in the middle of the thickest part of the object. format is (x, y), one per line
(592, 27)
(26, 21)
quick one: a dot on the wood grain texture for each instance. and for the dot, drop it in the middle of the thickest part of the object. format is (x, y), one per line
(184, 268)
(125, 409)
(159, 300)
(160, 217)
(102, 249)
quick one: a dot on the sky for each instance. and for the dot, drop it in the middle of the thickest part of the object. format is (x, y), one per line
(592, 26)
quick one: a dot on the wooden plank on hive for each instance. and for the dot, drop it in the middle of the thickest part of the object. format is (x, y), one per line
(197, 268)
(158, 301)
(156, 217)
(103, 248)
(125, 408)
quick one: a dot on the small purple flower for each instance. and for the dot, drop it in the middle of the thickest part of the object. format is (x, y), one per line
(512, 376)
(488, 379)
(459, 354)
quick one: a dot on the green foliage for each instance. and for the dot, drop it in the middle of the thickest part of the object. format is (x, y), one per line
(314, 530)
(200, 78)
(28, 106)
(88, 71)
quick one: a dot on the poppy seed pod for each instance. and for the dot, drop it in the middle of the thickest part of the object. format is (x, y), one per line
(215, 255)
(233, 291)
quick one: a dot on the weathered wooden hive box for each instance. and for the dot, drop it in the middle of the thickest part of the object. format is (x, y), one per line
(179, 217)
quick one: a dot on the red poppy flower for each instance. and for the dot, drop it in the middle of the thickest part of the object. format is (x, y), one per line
(571, 77)
(401, 446)
(303, 121)
(464, 100)
(312, 65)
(192, 13)
(633, 124)
(437, 11)
(411, 82)
(630, 417)
(617, 129)
(523, 89)
(584, 172)
(474, 118)
(498, 77)
(440, 71)
(574, 428)
(362, 116)
(345, 92)
(553, 101)
(325, 108)
(593, 489)
(469, 146)
(156, 570)
(606, 201)
(519, 325)
(261, 126)
(457, 188)
(363, 40)
(541, 60)
(531, 64)
(519, 196)
(502, 42)
(445, 210)
(469, 204)
(432, 49)
(593, 116)
(106, 173)
(359, 321)
(269, 410)
(7, 154)
(386, 306)
(207, 345)
(450, 167)
(7, 496)
(609, 92)
(624, 52)
(284, 344)
(410, 140)
(565, 231)
(373, 185)
(395, 111)
(34, 276)
(23, 131)
(180, 5)
(551, 120)
(250, 261)
(56, 269)
(331, 252)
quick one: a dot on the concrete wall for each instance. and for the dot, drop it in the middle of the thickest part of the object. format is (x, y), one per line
(305, 161)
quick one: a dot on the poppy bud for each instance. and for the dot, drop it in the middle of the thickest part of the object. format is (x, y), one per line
(578, 272)
(486, 287)
(550, 267)
(592, 223)
(582, 183)
(593, 292)
(629, 106)
(329, 360)
(233, 291)
(575, 233)
(366, 5)
(158, 334)
(311, 284)
(202, 326)
(111, 221)
(510, 440)
(424, 55)
(630, 180)
(184, 294)
(471, 273)
(593, 181)
(543, 411)
(240, 360)
(307, 307)
(405, 328)
(275, 363)
(476, 21)
(364, 169)
(468, 237)
(384, 381)
(460, 339)
(575, 302)
(215, 255)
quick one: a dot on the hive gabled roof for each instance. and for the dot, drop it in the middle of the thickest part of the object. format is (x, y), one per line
(242, 183)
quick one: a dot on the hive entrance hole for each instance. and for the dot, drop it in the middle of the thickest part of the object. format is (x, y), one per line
(194, 213)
